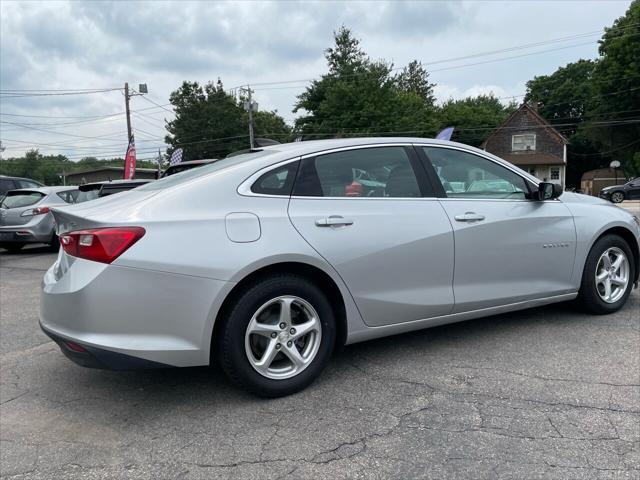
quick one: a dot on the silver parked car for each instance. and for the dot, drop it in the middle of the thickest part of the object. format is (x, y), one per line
(267, 261)
(25, 215)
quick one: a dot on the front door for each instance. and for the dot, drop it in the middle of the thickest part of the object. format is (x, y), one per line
(366, 211)
(508, 248)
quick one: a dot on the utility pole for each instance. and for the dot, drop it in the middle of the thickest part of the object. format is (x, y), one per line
(2, 148)
(159, 166)
(250, 106)
(126, 105)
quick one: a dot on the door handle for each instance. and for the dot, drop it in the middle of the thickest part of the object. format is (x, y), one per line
(469, 217)
(333, 221)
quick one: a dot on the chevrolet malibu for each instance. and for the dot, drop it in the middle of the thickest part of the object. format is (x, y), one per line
(268, 261)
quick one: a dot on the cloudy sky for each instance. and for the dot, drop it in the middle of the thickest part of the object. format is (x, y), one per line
(275, 46)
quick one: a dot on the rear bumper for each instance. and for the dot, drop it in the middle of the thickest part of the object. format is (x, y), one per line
(38, 230)
(605, 196)
(128, 316)
(92, 357)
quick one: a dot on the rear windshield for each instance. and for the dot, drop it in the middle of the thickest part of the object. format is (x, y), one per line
(19, 199)
(86, 195)
(192, 173)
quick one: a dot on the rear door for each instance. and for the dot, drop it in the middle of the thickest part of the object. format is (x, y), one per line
(508, 248)
(370, 212)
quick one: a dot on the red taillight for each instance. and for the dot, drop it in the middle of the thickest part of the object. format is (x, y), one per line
(35, 211)
(100, 244)
(40, 210)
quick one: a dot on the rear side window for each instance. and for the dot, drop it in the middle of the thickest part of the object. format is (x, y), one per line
(27, 184)
(69, 196)
(5, 185)
(21, 199)
(365, 172)
(278, 181)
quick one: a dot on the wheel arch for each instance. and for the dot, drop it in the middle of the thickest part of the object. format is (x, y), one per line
(311, 272)
(631, 240)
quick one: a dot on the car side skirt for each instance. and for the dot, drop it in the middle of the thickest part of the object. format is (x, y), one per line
(395, 329)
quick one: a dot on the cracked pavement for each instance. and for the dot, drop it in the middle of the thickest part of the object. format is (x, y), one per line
(543, 393)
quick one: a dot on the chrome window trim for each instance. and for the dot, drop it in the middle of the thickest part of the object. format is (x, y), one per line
(245, 187)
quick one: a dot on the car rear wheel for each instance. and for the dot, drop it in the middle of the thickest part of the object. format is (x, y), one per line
(278, 336)
(608, 276)
(54, 245)
(617, 197)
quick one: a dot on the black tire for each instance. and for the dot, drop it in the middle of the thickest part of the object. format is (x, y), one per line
(230, 344)
(588, 298)
(12, 247)
(54, 245)
(617, 196)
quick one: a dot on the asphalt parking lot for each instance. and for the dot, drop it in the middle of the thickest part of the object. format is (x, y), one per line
(544, 393)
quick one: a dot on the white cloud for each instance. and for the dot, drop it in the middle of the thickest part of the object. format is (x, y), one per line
(103, 44)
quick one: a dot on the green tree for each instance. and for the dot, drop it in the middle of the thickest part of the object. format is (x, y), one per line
(414, 78)
(564, 96)
(210, 123)
(473, 118)
(359, 96)
(616, 97)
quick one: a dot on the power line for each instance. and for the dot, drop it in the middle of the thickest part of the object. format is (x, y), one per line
(81, 116)
(475, 55)
(6, 94)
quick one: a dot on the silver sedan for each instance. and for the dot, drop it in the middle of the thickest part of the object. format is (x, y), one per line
(266, 262)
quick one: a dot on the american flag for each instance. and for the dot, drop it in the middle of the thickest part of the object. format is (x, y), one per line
(176, 157)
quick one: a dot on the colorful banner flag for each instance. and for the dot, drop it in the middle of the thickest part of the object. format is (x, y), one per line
(176, 157)
(445, 134)
(130, 160)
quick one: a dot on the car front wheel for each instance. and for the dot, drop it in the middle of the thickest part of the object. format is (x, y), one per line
(278, 336)
(617, 197)
(608, 276)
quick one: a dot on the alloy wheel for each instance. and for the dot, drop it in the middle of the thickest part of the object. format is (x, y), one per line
(612, 275)
(617, 197)
(283, 337)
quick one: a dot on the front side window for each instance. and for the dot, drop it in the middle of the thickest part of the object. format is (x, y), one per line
(365, 172)
(465, 175)
(523, 142)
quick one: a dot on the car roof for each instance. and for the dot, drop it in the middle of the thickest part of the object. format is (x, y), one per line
(11, 177)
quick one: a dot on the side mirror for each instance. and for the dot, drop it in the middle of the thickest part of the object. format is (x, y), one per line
(547, 191)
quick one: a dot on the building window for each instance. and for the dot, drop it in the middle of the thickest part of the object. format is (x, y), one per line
(524, 142)
(531, 171)
(555, 173)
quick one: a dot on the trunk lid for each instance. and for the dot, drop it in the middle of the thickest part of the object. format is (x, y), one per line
(106, 211)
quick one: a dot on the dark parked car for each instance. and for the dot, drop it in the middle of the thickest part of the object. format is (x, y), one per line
(182, 166)
(13, 183)
(618, 193)
(91, 191)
